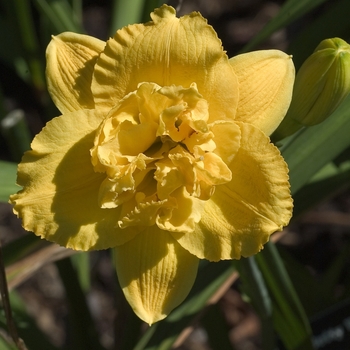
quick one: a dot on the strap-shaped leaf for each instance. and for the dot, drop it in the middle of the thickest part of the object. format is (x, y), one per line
(288, 316)
(312, 148)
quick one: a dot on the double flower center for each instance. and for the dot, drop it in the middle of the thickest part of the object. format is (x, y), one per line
(158, 153)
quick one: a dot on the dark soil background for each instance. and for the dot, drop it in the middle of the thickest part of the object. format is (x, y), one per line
(315, 238)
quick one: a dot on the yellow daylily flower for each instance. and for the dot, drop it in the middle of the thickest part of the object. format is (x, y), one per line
(162, 153)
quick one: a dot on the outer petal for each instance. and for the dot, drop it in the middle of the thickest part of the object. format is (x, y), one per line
(241, 215)
(59, 201)
(155, 273)
(266, 81)
(167, 51)
(70, 61)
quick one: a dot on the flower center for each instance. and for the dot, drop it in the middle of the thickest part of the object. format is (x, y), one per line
(158, 154)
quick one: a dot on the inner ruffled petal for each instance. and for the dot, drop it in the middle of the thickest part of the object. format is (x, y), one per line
(168, 51)
(159, 157)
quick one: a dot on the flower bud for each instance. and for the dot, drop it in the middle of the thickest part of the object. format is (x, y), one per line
(321, 84)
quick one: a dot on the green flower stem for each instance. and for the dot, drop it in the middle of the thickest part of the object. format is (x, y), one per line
(16, 133)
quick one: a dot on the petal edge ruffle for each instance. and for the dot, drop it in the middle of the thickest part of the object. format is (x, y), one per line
(167, 52)
(241, 215)
(59, 201)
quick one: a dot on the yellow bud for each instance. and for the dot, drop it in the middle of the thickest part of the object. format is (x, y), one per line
(321, 84)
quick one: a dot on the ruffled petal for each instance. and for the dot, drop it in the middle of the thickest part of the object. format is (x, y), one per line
(70, 61)
(155, 273)
(266, 81)
(59, 201)
(227, 137)
(242, 214)
(167, 51)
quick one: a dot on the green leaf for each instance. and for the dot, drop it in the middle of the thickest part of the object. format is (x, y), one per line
(312, 148)
(125, 13)
(8, 174)
(290, 11)
(329, 180)
(81, 264)
(303, 282)
(254, 286)
(289, 316)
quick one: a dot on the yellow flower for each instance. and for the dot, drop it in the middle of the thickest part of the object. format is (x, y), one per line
(161, 153)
